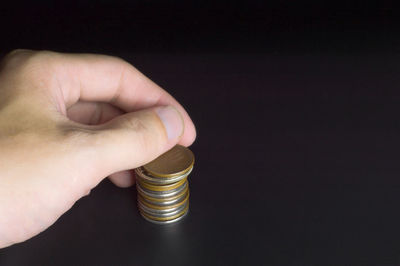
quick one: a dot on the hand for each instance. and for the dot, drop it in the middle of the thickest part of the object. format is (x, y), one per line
(67, 121)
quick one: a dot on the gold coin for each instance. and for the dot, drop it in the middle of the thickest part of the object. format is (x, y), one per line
(176, 161)
(161, 187)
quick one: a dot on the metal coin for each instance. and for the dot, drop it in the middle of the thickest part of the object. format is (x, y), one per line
(167, 221)
(161, 194)
(174, 162)
(167, 187)
(169, 218)
(164, 201)
(142, 174)
(163, 188)
(158, 207)
(162, 213)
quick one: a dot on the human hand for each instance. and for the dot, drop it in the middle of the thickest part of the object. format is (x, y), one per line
(67, 121)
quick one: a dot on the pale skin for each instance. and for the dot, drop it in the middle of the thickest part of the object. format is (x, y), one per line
(67, 121)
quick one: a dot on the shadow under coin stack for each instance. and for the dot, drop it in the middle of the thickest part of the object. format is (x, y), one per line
(162, 186)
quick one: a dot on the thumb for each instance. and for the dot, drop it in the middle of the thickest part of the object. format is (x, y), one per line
(133, 139)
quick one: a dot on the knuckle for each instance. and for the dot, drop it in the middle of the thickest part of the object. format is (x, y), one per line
(148, 131)
(138, 129)
(14, 59)
(16, 52)
(28, 62)
(17, 57)
(77, 137)
(118, 60)
(121, 65)
(148, 135)
(133, 123)
(142, 131)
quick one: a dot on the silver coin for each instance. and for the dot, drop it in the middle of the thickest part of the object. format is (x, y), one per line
(167, 221)
(161, 194)
(166, 202)
(163, 188)
(162, 213)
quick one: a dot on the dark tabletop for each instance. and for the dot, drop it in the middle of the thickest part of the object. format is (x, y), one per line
(297, 155)
(297, 161)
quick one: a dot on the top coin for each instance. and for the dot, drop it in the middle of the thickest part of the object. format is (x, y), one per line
(174, 162)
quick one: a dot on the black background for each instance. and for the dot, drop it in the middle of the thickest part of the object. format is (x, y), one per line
(297, 110)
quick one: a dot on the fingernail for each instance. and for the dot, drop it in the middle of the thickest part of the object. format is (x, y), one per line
(172, 121)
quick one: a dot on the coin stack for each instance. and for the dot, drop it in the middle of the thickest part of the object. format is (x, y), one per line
(162, 186)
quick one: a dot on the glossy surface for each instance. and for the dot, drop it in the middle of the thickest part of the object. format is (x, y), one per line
(162, 194)
(162, 186)
(165, 200)
(297, 163)
(150, 179)
(176, 161)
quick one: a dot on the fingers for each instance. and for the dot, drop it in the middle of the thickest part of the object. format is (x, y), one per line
(123, 179)
(134, 139)
(69, 78)
(92, 113)
(74, 82)
(87, 77)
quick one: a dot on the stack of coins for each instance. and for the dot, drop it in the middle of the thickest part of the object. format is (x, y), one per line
(162, 186)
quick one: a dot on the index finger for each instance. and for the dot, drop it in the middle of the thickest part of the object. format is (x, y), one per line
(100, 78)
